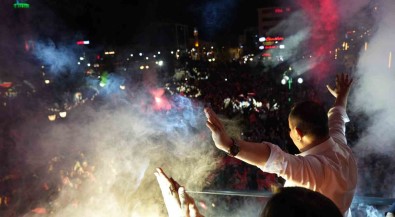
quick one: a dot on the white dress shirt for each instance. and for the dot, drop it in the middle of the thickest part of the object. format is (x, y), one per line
(328, 168)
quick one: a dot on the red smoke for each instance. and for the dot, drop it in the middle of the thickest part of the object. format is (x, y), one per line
(324, 17)
(160, 100)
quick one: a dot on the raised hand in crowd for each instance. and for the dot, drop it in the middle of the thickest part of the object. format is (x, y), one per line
(178, 202)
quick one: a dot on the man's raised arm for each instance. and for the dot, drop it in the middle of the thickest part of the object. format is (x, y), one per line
(342, 89)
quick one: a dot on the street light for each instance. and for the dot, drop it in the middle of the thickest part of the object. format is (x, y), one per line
(63, 114)
(52, 117)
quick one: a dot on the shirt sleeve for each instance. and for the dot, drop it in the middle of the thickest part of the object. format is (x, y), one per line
(337, 119)
(308, 170)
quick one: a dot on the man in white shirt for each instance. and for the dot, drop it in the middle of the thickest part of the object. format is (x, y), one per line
(326, 164)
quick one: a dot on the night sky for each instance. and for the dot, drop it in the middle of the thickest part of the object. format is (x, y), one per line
(120, 21)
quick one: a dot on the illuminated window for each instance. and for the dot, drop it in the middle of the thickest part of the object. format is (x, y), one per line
(18, 5)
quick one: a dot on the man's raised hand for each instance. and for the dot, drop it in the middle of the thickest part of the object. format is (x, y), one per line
(341, 90)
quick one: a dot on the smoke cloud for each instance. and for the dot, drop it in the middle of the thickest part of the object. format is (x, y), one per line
(105, 157)
(58, 58)
(372, 99)
(296, 31)
(100, 159)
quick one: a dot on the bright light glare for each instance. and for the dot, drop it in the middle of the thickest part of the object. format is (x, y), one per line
(261, 47)
(283, 81)
(122, 87)
(147, 67)
(81, 58)
(262, 39)
(47, 81)
(160, 63)
(141, 67)
(300, 80)
(52, 117)
(63, 114)
(140, 54)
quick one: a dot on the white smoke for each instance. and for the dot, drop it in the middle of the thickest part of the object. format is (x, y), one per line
(375, 80)
(59, 58)
(104, 159)
(372, 99)
(295, 30)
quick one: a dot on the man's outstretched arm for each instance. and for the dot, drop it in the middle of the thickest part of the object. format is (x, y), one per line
(338, 115)
(256, 154)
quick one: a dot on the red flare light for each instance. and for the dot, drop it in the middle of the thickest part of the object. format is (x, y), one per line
(324, 17)
(6, 84)
(39, 210)
(161, 102)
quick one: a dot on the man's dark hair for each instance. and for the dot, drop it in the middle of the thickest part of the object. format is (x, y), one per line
(298, 201)
(311, 118)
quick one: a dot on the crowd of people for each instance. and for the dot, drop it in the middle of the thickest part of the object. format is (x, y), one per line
(253, 95)
(35, 191)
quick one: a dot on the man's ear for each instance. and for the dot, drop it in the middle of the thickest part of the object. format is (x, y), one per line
(299, 132)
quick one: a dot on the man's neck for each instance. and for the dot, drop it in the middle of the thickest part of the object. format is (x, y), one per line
(312, 143)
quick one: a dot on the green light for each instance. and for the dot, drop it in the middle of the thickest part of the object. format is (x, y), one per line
(103, 79)
(21, 5)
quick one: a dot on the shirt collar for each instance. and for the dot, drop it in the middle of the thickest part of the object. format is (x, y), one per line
(318, 148)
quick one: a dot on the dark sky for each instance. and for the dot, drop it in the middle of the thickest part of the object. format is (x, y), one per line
(118, 21)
